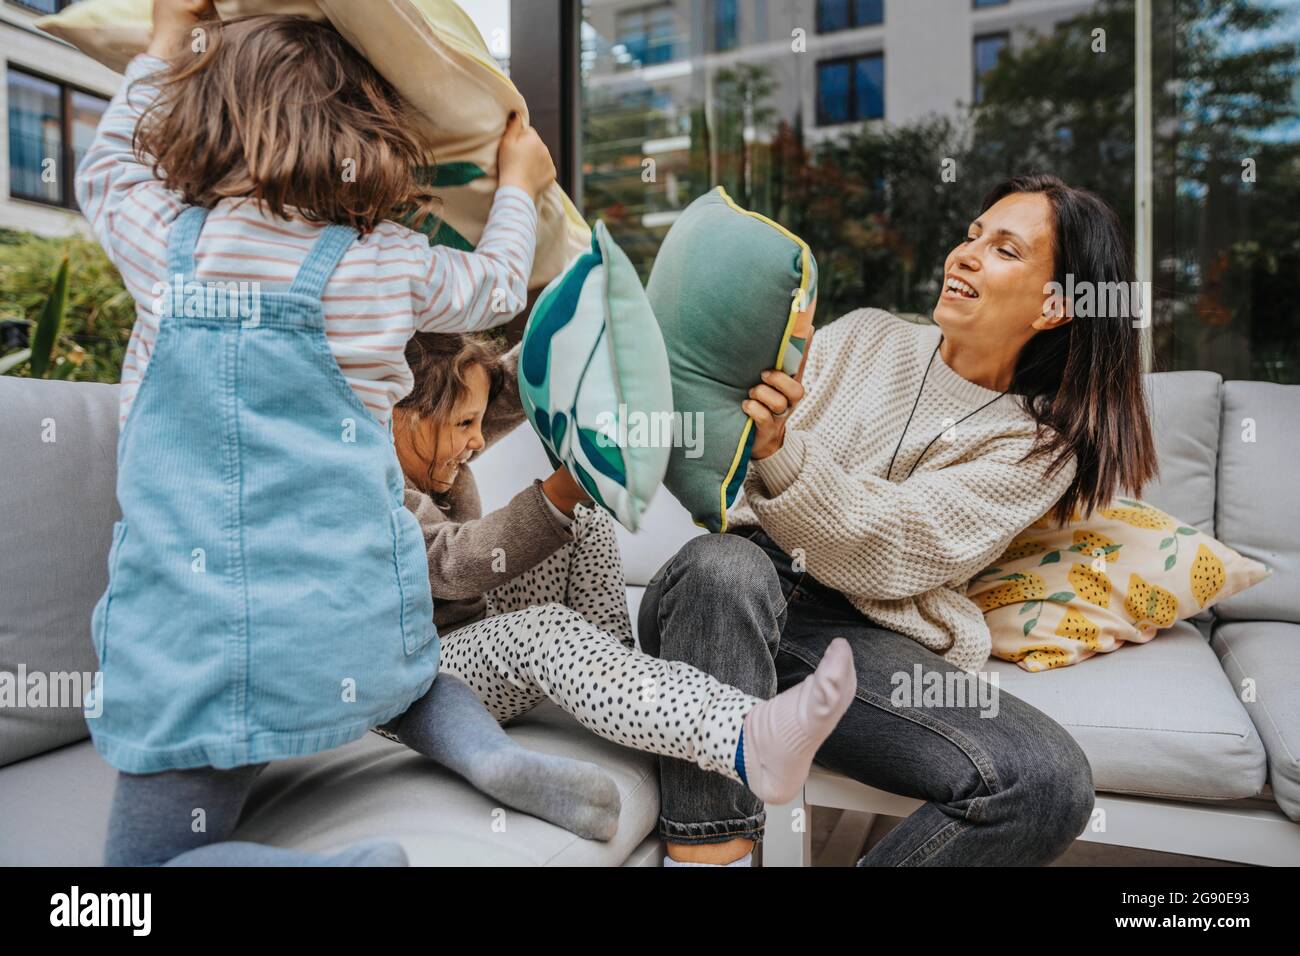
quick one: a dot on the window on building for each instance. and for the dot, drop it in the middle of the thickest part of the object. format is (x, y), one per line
(835, 15)
(988, 49)
(851, 89)
(50, 128)
(990, 3)
(43, 6)
(726, 32)
(647, 33)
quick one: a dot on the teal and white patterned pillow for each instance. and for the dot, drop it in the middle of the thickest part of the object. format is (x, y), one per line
(593, 378)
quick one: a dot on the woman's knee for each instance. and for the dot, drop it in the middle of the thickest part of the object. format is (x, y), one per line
(716, 604)
(1056, 793)
(724, 567)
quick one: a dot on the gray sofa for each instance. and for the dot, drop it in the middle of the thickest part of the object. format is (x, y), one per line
(1180, 762)
(57, 507)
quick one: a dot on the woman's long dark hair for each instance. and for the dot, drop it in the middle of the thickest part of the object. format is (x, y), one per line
(1083, 379)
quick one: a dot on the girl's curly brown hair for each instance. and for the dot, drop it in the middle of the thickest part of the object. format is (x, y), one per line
(440, 364)
(281, 110)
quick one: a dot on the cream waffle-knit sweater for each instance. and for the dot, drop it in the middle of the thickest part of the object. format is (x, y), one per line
(902, 551)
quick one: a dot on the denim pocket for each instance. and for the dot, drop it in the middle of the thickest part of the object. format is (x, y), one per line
(412, 564)
(99, 619)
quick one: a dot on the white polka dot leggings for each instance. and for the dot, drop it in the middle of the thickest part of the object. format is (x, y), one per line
(561, 631)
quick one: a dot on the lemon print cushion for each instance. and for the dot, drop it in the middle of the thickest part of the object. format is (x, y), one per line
(593, 380)
(1059, 594)
(458, 100)
(734, 293)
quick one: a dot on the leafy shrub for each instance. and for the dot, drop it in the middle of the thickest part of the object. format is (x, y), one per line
(100, 312)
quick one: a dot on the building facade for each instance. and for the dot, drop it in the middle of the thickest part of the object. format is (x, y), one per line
(52, 99)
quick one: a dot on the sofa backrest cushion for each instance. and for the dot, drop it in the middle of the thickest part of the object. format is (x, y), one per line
(58, 474)
(1185, 410)
(1259, 495)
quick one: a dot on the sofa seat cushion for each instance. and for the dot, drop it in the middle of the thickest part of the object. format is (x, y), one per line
(1267, 655)
(1158, 719)
(56, 805)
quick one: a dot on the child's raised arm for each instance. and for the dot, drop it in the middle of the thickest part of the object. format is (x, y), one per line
(471, 291)
(126, 204)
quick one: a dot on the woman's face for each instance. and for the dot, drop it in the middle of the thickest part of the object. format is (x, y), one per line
(994, 282)
(439, 449)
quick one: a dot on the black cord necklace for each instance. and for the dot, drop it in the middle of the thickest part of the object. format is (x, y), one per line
(890, 470)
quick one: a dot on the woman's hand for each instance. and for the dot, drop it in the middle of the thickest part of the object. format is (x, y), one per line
(769, 405)
(172, 22)
(523, 159)
(563, 491)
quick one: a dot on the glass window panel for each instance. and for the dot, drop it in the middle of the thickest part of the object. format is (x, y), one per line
(833, 93)
(725, 27)
(869, 94)
(1226, 95)
(36, 167)
(987, 51)
(832, 15)
(869, 196)
(662, 34)
(43, 6)
(86, 112)
(868, 12)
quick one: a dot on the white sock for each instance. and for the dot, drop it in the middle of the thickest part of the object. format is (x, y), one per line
(746, 860)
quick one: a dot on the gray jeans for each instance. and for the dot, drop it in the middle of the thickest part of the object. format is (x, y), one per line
(1014, 788)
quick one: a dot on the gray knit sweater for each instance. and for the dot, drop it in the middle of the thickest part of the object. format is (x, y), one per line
(902, 551)
(471, 553)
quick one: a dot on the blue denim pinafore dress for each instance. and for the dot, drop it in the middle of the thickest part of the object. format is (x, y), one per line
(268, 592)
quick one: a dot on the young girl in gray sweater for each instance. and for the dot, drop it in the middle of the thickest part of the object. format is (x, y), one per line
(530, 600)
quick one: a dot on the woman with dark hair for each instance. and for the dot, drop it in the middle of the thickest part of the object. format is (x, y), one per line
(916, 456)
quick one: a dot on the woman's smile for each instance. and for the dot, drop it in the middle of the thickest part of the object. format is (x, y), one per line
(955, 288)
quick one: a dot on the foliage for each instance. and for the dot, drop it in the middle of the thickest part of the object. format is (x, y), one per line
(91, 341)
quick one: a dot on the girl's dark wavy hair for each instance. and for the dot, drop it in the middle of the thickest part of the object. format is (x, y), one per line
(440, 364)
(1082, 382)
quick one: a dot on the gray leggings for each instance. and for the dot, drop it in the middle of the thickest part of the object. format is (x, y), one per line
(185, 818)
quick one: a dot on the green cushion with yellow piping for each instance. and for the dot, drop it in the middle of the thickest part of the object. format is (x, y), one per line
(733, 293)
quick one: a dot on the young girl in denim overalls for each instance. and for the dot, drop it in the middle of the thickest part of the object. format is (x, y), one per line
(268, 593)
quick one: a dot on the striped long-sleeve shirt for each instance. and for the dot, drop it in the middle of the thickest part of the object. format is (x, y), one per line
(389, 284)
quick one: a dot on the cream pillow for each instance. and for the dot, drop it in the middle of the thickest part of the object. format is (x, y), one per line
(1060, 594)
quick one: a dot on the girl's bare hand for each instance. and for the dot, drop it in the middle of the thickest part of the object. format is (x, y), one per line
(564, 491)
(172, 22)
(769, 405)
(523, 159)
